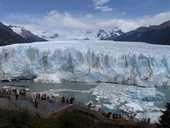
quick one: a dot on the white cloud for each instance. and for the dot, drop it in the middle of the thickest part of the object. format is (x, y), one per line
(65, 20)
(89, 15)
(34, 29)
(125, 25)
(68, 25)
(100, 2)
(103, 8)
(101, 5)
(130, 24)
(154, 20)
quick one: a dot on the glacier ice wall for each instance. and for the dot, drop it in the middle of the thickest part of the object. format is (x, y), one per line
(131, 63)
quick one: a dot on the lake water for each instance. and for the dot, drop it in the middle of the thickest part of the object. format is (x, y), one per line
(146, 102)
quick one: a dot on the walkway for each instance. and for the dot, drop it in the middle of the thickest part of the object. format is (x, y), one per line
(45, 107)
(95, 114)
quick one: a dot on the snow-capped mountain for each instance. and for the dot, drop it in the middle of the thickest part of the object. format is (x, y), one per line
(85, 35)
(99, 34)
(8, 36)
(49, 35)
(27, 35)
(87, 61)
(80, 35)
(109, 35)
(94, 34)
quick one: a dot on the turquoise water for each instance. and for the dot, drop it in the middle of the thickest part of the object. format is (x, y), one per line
(78, 90)
(166, 92)
(81, 91)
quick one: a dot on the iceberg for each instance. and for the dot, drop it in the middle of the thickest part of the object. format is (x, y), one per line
(131, 63)
(131, 100)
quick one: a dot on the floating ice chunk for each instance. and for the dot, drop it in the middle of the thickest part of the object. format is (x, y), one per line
(109, 106)
(47, 78)
(134, 106)
(97, 99)
(130, 99)
(154, 116)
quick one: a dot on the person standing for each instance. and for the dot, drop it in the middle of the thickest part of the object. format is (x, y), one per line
(36, 104)
(17, 94)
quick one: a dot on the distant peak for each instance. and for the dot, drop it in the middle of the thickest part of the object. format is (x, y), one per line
(165, 24)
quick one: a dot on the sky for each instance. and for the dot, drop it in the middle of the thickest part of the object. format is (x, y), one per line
(74, 16)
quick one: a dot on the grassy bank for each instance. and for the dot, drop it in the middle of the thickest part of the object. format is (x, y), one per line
(22, 118)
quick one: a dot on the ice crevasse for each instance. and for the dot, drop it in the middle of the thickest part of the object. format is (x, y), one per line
(131, 63)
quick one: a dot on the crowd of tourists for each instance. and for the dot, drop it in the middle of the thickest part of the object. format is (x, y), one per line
(13, 91)
(68, 100)
(40, 96)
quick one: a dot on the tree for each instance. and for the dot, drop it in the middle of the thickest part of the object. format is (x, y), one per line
(165, 118)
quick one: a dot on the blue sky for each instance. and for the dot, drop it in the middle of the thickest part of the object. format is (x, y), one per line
(64, 15)
(132, 8)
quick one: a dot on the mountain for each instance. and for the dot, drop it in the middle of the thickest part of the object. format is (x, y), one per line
(97, 34)
(27, 35)
(156, 34)
(94, 34)
(8, 36)
(110, 35)
(83, 35)
(49, 35)
(15, 34)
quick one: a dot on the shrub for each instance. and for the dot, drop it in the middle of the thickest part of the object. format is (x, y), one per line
(165, 118)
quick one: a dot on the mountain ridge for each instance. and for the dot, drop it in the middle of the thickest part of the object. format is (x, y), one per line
(109, 35)
(9, 36)
(156, 34)
(27, 35)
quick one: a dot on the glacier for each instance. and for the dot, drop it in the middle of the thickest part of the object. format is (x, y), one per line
(131, 63)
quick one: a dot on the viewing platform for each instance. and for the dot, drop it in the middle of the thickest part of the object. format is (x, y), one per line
(54, 106)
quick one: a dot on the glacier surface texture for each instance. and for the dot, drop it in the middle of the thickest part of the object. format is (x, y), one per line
(131, 63)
